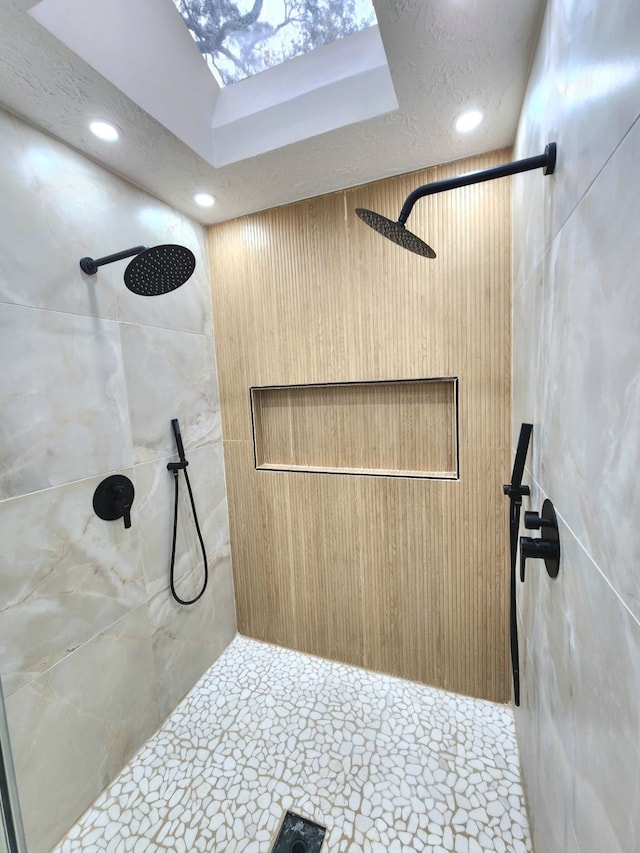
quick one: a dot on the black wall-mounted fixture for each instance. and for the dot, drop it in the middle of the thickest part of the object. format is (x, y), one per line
(153, 271)
(113, 499)
(515, 491)
(547, 547)
(396, 231)
(175, 468)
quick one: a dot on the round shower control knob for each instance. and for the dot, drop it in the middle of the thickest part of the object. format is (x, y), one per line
(113, 499)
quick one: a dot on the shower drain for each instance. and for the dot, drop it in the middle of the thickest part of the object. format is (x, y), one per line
(299, 835)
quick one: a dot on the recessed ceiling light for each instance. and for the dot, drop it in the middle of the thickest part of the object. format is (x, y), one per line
(104, 130)
(468, 120)
(204, 199)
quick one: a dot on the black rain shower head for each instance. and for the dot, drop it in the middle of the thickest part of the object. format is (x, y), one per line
(160, 269)
(396, 231)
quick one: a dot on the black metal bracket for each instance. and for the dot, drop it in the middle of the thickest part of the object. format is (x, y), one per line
(113, 499)
(176, 466)
(516, 493)
(547, 547)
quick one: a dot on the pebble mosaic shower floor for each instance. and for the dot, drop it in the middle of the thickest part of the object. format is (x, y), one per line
(388, 766)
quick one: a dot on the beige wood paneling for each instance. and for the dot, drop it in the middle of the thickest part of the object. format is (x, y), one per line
(398, 428)
(403, 576)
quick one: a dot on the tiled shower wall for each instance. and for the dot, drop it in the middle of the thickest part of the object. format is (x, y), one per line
(94, 652)
(576, 376)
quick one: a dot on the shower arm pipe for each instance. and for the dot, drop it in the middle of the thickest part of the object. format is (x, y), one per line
(546, 161)
(90, 265)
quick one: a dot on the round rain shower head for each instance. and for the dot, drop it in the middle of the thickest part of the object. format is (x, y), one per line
(160, 269)
(395, 232)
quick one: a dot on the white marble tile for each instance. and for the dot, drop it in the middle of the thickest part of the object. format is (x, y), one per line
(546, 718)
(156, 494)
(604, 687)
(55, 206)
(58, 207)
(187, 639)
(589, 397)
(584, 92)
(65, 575)
(384, 764)
(77, 724)
(576, 376)
(169, 374)
(77, 665)
(527, 360)
(64, 413)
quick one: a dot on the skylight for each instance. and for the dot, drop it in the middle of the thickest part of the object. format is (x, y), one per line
(240, 38)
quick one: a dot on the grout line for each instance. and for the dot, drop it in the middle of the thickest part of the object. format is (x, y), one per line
(583, 547)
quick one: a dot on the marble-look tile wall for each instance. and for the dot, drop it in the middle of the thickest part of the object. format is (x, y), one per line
(576, 377)
(94, 652)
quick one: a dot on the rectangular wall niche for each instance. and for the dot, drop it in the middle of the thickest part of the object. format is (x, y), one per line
(402, 428)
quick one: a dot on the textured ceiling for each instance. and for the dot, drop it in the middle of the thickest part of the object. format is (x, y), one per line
(444, 55)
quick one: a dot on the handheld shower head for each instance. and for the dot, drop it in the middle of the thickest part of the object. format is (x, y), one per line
(153, 271)
(396, 231)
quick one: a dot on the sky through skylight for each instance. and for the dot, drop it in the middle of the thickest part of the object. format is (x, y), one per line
(240, 38)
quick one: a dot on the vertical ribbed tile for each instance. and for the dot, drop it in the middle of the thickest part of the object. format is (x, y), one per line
(401, 576)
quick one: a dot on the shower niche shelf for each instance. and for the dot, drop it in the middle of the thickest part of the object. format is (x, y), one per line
(388, 428)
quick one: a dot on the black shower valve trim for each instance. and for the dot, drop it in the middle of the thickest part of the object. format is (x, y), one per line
(113, 499)
(547, 546)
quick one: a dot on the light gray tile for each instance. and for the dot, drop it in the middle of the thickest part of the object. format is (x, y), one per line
(188, 639)
(75, 727)
(156, 490)
(63, 400)
(579, 723)
(584, 92)
(589, 396)
(527, 361)
(58, 207)
(548, 764)
(604, 686)
(65, 575)
(55, 206)
(169, 375)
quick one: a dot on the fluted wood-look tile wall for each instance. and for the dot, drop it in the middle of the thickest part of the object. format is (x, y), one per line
(406, 576)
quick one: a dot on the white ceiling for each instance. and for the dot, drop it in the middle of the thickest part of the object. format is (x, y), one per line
(443, 56)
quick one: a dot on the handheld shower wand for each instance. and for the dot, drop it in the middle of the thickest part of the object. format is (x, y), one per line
(175, 467)
(175, 425)
(515, 491)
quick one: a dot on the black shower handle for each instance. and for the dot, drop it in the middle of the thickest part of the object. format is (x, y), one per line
(123, 502)
(547, 547)
(537, 549)
(534, 521)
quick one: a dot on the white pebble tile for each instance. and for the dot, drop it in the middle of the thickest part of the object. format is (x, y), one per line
(388, 766)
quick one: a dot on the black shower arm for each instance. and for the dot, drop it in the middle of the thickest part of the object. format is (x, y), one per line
(90, 265)
(546, 161)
